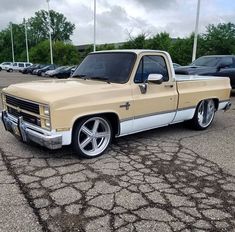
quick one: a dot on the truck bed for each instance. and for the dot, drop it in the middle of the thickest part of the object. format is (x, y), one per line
(201, 87)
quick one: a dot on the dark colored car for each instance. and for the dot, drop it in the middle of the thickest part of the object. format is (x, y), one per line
(216, 65)
(30, 68)
(175, 65)
(64, 73)
(35, 71)
(41, 72)
(52, 73)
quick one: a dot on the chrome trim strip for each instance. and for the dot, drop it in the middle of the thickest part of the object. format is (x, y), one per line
(156, 113)
(40, 116)
(50, 140)
(27, 112)
(31, 126)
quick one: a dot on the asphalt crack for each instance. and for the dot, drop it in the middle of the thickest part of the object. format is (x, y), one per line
(23, 189)
(143, 183)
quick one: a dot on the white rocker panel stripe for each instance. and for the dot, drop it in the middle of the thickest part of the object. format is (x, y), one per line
(145, 123)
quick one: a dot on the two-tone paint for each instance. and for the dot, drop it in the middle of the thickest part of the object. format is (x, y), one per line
(170, 102)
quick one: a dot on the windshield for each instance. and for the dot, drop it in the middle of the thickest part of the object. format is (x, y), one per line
(207, 61)
(112, 67)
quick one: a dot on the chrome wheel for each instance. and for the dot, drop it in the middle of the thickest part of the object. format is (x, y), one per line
(94, 136)
(206, 112)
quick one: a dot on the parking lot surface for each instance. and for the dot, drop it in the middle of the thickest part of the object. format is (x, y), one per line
(168, 179)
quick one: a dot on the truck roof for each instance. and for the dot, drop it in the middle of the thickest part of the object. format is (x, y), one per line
(137, 51)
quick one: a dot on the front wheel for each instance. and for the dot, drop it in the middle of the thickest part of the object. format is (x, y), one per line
(204, 114)
(92, 136)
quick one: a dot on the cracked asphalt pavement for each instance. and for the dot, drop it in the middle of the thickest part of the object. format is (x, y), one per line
(168, 179)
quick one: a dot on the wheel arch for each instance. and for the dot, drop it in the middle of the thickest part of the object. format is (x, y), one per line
(111, 116)
(215, 99)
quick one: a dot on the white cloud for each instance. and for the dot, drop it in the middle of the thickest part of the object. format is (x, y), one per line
(115, 19)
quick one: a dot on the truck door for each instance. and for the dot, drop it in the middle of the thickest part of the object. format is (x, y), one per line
(157, 107)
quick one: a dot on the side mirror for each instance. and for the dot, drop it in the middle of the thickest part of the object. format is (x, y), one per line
(155, 78)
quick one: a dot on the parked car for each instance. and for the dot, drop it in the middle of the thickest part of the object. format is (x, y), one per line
(18, 66)
(5, 65)
(175, 65)
(106, 97)
(35, 71)
(30, 68)
(65, 73)
(52, 73)
(41, 72)
(216, 65)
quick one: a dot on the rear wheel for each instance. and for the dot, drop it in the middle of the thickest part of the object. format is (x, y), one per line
(92, 136)
(204, 114)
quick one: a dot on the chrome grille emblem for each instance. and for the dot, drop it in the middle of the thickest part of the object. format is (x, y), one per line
(18, 109)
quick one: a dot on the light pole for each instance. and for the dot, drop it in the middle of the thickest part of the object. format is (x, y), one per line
(94, 45)
(26, 40)
(12, 45)
(49, 24)
(196, 31)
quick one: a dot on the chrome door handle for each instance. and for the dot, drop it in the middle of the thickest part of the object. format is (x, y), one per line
(169, 86)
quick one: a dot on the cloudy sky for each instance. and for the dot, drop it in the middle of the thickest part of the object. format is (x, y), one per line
(117, 19)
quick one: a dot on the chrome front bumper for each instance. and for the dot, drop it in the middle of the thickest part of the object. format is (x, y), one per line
(28, 133)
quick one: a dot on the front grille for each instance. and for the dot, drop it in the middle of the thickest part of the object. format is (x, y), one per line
(26, 117)
(24, 105)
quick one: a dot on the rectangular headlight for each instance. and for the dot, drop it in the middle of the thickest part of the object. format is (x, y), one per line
(46, 110)
(47, 123)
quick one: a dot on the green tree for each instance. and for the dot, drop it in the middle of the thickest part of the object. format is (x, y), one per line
(61, 28)
(220, 39)
(161, 41)
(181, 49)
(37, 32)
(5, 45)
(66, 54)
(105, 47)
(138, 42)
(19, 43)
(63, 54)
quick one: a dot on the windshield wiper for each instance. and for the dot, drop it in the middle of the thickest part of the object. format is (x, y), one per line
(85, 77)
(80, 76)
(99, 78)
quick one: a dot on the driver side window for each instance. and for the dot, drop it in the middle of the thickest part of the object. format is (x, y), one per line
(151, 65)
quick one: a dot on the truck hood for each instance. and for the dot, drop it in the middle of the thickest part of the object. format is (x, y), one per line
(51, 91)
(199, 70)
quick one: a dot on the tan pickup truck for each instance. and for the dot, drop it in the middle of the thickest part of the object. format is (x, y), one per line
(111, 94)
